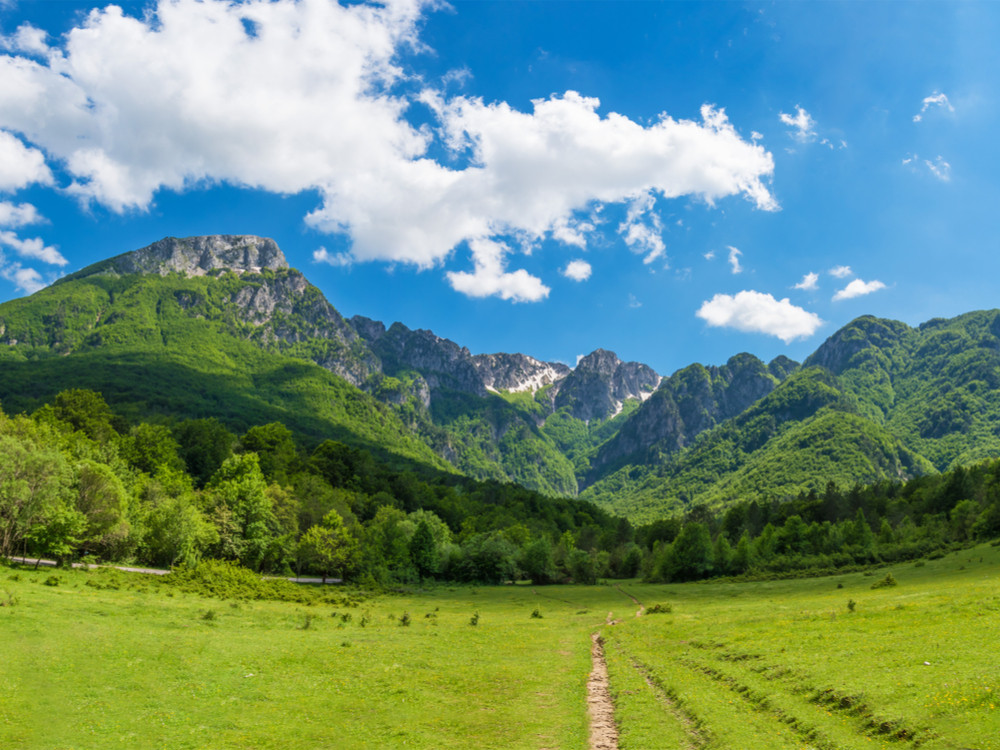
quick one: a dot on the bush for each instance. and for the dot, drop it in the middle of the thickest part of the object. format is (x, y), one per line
(885, 582)
(404, 621)
(536, 615)
(474, 620)
(51, 581)
(851, 604)
(660, 609)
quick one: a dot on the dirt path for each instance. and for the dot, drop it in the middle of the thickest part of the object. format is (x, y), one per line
(639, 604)
(603, 732)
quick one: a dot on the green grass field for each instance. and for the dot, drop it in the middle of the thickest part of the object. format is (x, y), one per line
(781, 664)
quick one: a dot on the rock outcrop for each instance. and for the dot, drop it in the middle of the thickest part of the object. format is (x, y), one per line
(600, 383)
(692, 400)
(195, 256)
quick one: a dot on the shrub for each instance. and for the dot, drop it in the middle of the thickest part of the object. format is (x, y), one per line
(208, 615)
(474, 620)
(51, 581)
(851, 604)
(404, 621)
(885, 582)
(536, 615)
(660, 609)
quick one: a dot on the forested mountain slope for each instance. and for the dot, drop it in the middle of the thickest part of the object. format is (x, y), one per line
(221, 326)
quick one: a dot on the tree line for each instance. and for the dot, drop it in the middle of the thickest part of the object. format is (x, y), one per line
(822, 531)
(79, 482)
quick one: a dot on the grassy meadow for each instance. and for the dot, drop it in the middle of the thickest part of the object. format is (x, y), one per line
(114, 660)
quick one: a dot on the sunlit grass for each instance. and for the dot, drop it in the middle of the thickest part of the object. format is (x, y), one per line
(768, 664)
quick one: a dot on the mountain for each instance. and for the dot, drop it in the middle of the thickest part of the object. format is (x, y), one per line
(222, 326)
(877, 400)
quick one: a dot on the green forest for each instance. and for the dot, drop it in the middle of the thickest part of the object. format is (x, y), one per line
(80, 482)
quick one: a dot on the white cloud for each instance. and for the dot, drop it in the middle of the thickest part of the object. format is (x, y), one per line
(491, 279)
(841, 272)
(756, 312)
(937, 99)
(642, 229)
(710, 255)
(20, 166)
(734, 260)
(858, 288)
(809, 281)
(572, 232)
(322, 255)
(939, 168)
(578, 270)
(27, 39)
(26, 279)
(634, 302)
(33, 248)
(804, 126)
(18, 214)
(314, 100)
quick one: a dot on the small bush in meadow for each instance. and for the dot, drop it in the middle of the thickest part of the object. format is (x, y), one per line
(51, 581)
(536, 615)
(8, 600)
(307, 621)
(209, 615)
(885, 582)
(474, 620)
(404, 621)
(851, 604)
(660, 609)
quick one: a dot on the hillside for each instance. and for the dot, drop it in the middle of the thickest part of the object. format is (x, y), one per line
(221, 326)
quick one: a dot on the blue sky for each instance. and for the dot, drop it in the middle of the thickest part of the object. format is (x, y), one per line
(676, 182)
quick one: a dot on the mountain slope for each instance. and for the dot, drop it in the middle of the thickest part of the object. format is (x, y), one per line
(221, 326)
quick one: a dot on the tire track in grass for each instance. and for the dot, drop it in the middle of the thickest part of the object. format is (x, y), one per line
(603, 730)
(697, 733)
(721, 720)
(854, 707)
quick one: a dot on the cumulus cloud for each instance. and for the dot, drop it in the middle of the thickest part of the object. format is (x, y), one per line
(322, 255)
(578, 270)
(841, 272)
(734, 260)
(28, 280)
(20, 165)
(756, 312)
(858, 288)
(710, 255)
(802, 124)
(642, 229)
(18, 214)
(937, 99)
(292, 96)
(491, 279)
(809, 282)
(33, 248)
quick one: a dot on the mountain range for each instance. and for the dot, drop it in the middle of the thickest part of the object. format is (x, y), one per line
(222, 326)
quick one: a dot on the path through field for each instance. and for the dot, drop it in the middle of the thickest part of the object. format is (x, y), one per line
(603, 732)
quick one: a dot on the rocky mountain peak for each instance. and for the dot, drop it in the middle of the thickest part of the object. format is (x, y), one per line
(517, 372)
(196, 256)
(600, 361)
